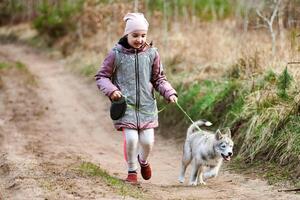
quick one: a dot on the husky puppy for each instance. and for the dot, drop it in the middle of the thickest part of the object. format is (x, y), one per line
(206, 151)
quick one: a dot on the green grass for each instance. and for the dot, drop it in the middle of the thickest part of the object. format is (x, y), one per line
(118, 185)
(18, 65)
(286, 142)
(206, 99)
(4, 65)
(235, 109)
(21, 67)
(88, 70)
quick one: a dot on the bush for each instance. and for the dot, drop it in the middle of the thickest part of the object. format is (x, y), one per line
(11, 11)
(55, 20)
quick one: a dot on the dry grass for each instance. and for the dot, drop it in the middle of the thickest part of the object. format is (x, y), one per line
(22, 31)
(218, 45)
(204, 50)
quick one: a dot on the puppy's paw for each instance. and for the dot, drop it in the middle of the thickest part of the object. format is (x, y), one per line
(202, 183)
(208, 175)
(193, 183)
(181, 179)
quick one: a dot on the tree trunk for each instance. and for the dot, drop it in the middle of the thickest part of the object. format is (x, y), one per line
(176, 16)
(136, 5)
(165, 34)
(193, 12)
(213, 10)
(281, 30)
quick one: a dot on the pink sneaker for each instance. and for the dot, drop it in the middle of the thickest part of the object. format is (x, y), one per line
(145, 169)
(131, 178)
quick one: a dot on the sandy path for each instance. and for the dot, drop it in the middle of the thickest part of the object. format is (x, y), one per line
(77, 127)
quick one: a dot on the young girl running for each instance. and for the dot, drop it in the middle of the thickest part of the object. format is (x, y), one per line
(133, 70)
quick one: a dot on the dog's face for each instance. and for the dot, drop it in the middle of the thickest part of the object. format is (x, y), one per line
(224, 144)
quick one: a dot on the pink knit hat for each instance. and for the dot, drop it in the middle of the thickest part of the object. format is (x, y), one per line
(135, 22)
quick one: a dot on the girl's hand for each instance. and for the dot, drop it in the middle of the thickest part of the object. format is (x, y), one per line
(116, 95)
(173, 98)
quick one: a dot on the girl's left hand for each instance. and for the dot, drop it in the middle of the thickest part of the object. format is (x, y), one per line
(173, 99)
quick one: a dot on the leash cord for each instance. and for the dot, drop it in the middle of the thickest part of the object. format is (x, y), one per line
(179, 106)
(184, 112)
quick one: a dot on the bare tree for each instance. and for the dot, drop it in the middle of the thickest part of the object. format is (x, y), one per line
(147, 9)
(213, 9)
(176, 16)
(281, 28)
(193, 12)
(165, 23)
(136, 5)
(245, 6)
(270, 21)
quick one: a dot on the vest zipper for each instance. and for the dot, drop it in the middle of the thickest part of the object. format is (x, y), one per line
(137, 84)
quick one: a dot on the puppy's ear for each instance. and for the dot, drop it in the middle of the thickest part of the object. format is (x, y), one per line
(219, 135)
(228, 132)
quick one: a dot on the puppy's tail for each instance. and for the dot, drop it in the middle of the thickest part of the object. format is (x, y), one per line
(196, 125)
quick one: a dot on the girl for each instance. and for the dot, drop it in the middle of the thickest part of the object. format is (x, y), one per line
(132, 69)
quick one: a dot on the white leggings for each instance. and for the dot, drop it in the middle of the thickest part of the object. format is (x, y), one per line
(137, 143)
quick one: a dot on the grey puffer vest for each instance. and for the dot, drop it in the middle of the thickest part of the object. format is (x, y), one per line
(132, 75)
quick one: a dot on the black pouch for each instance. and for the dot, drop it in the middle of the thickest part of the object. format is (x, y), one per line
(118, 108)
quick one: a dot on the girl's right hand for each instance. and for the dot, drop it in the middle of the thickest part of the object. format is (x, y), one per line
(116, 95)
(173, 99)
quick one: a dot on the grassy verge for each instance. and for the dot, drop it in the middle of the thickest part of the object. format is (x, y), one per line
(207, 99)
(90, 169)
(33, 40)
(270, 171)
(21, 67)
(263, 113)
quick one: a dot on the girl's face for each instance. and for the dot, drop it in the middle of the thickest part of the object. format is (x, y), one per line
(137, 38)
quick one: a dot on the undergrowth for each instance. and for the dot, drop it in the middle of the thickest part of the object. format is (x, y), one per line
(55, 20)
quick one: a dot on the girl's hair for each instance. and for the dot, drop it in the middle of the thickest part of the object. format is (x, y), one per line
(124, 42)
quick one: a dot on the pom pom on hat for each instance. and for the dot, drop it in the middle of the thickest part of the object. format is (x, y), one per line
(135, 22)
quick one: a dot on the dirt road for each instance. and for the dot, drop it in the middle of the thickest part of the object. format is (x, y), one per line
(49, 129)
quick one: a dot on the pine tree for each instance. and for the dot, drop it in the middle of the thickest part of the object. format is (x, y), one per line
(284, 82)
